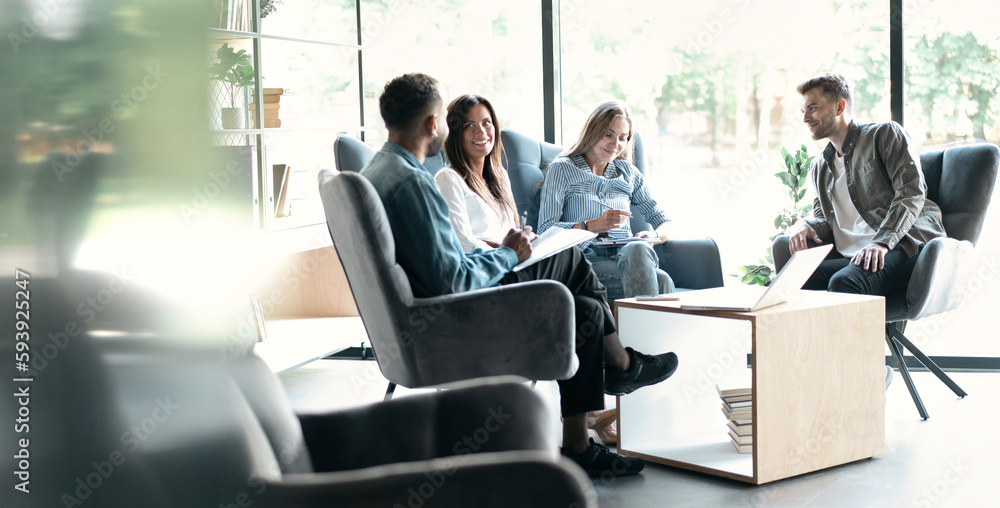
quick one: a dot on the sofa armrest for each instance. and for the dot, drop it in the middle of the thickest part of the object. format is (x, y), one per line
(939, 278)
(692, 264)
(517, 478)
(533, 337)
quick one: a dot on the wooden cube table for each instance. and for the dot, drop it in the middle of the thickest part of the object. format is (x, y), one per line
(818, 385)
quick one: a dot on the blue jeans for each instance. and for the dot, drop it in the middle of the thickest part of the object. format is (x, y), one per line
(633, 267)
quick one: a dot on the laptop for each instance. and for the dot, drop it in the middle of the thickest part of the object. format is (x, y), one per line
(750, 298)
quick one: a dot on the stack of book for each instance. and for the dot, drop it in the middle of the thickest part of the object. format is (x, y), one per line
(737, 405)
(269, 108)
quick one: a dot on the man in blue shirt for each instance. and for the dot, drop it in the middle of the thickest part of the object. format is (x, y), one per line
(432, 256)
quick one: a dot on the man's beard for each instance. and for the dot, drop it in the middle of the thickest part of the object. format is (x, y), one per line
(824, 129)
(435, 147)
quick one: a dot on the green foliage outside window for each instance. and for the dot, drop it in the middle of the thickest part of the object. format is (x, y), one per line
(794, 179)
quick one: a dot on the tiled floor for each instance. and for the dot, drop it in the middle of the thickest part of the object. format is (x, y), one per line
(949, 460)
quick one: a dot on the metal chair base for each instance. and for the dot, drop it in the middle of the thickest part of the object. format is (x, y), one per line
(898, 343)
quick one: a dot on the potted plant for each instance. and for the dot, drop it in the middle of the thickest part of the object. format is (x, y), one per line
(234, 70)
(794, 178)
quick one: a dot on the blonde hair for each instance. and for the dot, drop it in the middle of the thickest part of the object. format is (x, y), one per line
(598, 123)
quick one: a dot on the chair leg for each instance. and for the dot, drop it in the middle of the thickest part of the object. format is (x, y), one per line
(927, 362)
(389, 391)
(897, 354)
(533, 383)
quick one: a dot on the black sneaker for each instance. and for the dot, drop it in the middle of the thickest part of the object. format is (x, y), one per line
(644, 370)
(597, 460)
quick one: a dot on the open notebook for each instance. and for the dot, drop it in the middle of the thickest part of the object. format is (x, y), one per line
(552, 242)
(749, 298)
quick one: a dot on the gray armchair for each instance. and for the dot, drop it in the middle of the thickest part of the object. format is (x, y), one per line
(351, 154)
(692, 264)
(524, 329)
(960, 180)
(232, 439)
(136, 414)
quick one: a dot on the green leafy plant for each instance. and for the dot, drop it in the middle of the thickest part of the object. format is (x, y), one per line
(268, 7)
(233, 69)
(794, 178)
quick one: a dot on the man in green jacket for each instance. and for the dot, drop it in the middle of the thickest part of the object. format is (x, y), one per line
(871, 200)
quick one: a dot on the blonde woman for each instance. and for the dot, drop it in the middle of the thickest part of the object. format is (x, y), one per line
(594, 186)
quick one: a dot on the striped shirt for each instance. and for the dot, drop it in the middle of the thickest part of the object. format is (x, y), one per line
(572, 193)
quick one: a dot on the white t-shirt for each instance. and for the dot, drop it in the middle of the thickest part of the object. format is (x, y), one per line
(850, 231)
(471, 216)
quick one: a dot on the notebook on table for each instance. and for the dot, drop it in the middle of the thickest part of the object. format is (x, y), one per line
(750, 298)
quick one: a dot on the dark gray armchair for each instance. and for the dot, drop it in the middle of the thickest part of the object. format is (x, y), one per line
(960, 180)
(232, 439)
(524, 329)
(351, 154)
(692, 264)
(133, 413)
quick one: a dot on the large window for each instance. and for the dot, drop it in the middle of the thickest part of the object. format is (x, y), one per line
(952, 71)
(712, 90)
(952, 68)
(470, 47)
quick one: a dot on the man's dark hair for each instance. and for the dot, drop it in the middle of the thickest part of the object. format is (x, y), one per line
(406, 98)
(833, 86)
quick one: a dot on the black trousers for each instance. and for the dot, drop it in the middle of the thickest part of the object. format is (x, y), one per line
(836, 273)
(585, 390)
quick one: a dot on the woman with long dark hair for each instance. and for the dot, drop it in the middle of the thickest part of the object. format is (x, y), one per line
(480, 202)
